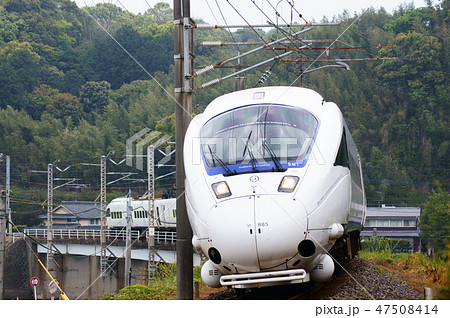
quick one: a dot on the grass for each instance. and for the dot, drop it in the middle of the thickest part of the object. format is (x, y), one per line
(162, 287)
(416, 269)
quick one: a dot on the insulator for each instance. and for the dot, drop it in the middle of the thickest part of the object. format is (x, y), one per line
(204, 70)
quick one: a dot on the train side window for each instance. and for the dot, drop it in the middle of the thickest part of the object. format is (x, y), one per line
(116, 215)
(140, 214)
(342, 155)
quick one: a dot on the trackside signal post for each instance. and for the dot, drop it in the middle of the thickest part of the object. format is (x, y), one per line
(183, 61)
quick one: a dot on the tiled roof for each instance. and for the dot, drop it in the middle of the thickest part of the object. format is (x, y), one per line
(79, 209)
(83, 209)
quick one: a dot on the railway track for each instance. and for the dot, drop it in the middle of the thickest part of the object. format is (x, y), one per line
(359, 279)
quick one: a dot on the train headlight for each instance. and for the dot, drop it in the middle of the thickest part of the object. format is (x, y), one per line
(288, 184)
(221, 189)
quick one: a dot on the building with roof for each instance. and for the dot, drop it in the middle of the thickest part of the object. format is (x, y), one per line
(390, 222)
(75, 214)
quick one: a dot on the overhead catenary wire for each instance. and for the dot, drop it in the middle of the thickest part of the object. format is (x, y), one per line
(277, 14)
(293, 8)
(254, 30)
(324, 51)
(266, 45)
(225, 21)
(288, 35)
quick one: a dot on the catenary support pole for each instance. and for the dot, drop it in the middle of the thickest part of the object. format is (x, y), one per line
(128, 242)
(2, 242)
(103, 227)
(8, 196)
(50, 249)
(151, 211)
(239, 80)
(183, 107)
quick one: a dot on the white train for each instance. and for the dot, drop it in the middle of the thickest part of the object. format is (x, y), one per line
(116, 213)
(273, 182)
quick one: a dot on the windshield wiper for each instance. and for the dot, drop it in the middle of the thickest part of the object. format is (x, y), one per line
(214, 156)
(250, 152)
(273, 156)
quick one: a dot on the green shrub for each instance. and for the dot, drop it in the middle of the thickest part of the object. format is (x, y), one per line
(162, 286)
(381, 244)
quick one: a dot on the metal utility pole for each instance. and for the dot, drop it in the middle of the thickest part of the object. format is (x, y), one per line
(8, 195)
(50, 252)
(2, 243)
(151, 210)
(239, 80)
(183, 62)
(128, 242)
(103, 228)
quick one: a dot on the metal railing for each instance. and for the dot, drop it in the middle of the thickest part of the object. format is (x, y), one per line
(79, 234)
(165, 237)
(161, 237)
(15, 236)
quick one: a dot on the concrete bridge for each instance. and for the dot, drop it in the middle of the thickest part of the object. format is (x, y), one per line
(78, 262)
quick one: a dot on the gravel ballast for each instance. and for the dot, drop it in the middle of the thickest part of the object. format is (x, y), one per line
(360, 279)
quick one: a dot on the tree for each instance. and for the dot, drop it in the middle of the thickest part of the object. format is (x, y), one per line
(152, 49)
(167, 126)
(19, 69)
(418, 64)
(94, 96)
(64, 105)
(435, 220)
(162, 12)
(110, 16)
(40, 98)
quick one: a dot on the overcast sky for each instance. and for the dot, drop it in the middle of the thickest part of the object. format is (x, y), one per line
(209, 12)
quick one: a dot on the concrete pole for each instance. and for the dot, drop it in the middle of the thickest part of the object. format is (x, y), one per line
(183, 109)
(8, 195)
(2, 243)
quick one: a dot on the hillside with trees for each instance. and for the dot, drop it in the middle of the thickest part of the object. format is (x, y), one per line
(68, 91)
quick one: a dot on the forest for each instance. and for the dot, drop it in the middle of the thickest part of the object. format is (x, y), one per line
(70, 94)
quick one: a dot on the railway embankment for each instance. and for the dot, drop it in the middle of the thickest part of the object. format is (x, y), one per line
(358, 279)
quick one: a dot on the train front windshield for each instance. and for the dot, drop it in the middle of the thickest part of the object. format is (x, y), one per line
(257, 138)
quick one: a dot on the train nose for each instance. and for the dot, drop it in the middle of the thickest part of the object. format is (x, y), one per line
(259, 232)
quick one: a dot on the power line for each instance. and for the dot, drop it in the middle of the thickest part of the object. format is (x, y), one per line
(286, 34)
(251, 27)
(225, 21)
